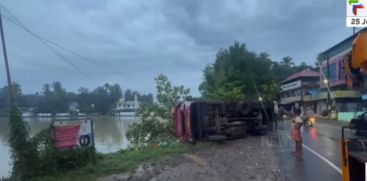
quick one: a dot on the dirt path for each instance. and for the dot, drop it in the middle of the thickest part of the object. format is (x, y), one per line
(250, 158)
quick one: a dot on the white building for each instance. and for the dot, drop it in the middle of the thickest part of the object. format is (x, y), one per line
(127, 108)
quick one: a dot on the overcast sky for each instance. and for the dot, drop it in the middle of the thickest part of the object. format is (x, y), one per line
(132, 41)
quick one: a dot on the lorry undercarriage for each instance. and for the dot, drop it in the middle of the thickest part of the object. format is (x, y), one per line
(220, 120)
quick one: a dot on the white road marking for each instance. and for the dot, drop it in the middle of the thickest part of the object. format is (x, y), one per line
(323, 158)
(318, 155)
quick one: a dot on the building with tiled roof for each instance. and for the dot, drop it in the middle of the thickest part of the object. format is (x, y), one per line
(302, 74)
(301, 90)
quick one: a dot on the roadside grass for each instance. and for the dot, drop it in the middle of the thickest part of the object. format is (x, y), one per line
(122, 161)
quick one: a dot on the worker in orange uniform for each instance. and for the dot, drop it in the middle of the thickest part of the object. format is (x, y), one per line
(296, 132)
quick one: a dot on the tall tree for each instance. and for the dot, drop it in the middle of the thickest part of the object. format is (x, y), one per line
(288, 61)
(240, 74)
(319, 60)
(236, 74)
(304, 66)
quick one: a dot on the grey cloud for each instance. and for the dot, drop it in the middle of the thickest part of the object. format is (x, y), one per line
(130, 42)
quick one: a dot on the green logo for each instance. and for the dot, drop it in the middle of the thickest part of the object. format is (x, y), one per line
(353, 2)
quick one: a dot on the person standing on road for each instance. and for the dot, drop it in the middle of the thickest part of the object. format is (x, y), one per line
(282, 115)
(296, 132)
(276, 113)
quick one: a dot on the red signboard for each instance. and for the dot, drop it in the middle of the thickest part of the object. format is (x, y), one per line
(73, 134)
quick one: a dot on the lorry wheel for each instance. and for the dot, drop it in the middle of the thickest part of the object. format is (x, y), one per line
(217, 138)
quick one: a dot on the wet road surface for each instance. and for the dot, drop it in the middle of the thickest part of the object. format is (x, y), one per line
(321, 152)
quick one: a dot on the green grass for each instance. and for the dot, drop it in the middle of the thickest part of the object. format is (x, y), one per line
(122, 161)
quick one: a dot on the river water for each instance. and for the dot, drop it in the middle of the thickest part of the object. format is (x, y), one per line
(109, 134)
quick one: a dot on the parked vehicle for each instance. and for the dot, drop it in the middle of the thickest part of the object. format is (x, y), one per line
(353, 155)
(220, 120)
(360, 124)
(354, 149)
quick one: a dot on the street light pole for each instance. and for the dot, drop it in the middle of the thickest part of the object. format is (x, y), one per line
(11, 95)
(328, 83)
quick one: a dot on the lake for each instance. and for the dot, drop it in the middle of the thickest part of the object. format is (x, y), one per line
(109, 134)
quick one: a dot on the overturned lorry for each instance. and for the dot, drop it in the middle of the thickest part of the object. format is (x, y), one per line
(220, 120)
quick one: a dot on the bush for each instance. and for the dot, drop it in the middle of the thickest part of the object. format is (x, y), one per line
(23, 152)
(153, 129)
(52, 160)
(156, 119)
(38, 156)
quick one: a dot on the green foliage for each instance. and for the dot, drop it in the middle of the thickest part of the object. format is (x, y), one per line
(55, 99)
(156, 119)
(53, 95)
(52, 160)
(4, 99)
(303, 66)
(122, 161)
(37, 156)
(23, 152)
(143, 98)
(288, 61)
(236, 69)
(229, 93)
(270, 92)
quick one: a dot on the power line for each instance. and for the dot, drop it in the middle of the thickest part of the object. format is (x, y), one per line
(69, 62)
(62, 57)
(46, 42)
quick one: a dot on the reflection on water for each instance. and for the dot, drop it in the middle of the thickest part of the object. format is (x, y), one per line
(109, 134)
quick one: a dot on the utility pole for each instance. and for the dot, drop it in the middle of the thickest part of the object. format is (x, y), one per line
(10, 87)
(328, 84)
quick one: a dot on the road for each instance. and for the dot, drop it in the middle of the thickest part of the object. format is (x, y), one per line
(255, 158)
(321, 152)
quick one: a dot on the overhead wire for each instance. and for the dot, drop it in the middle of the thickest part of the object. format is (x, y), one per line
(48, 42)
(62, 57)
(19, 23)
(259, 96)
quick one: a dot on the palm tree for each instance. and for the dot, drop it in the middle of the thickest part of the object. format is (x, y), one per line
(288, 61)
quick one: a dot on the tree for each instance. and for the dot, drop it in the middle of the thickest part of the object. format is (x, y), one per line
(304, 66)
(270, 92)
(54, 99)
(319, 60)
(142, 98)
(156, 119)
(234, 74)
(288, 61)
(84, 100)
(59, 100)
(23, 153)
(240, 74)
(4, 95)
(100, 97)
(129, 95)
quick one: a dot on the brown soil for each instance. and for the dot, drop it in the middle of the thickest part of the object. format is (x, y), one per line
(249, 158)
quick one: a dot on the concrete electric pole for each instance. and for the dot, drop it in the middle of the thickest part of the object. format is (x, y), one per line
(10, 87)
